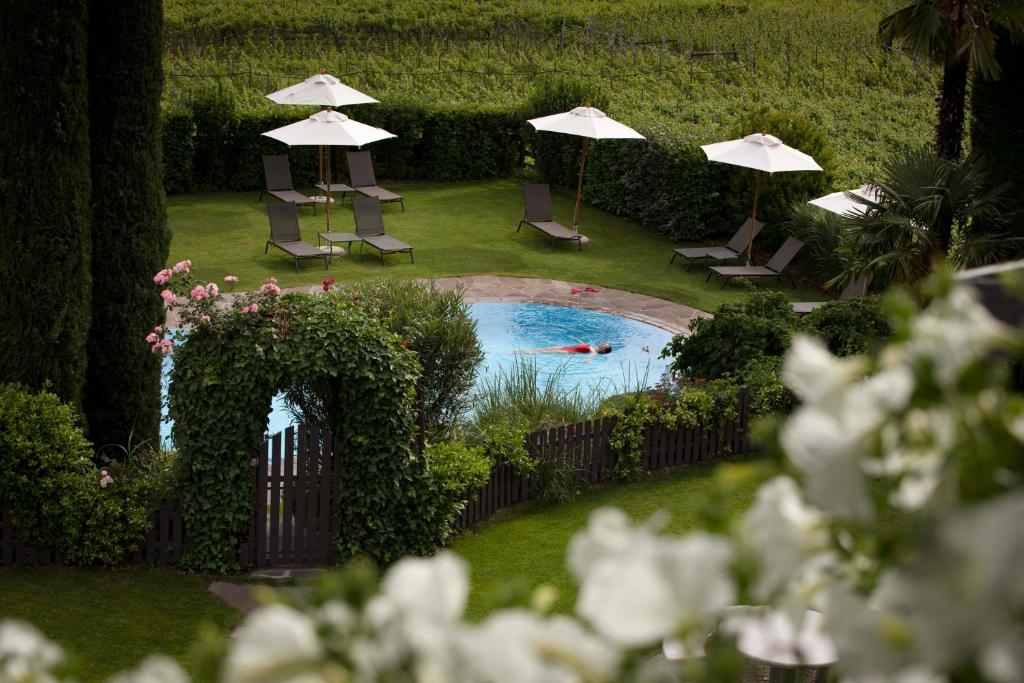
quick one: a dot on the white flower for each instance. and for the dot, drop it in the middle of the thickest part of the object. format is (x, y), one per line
(26, 656)
(435, 588)
(814, 374)
(153, 669)
(517, 646)
(784, 533)
(276, 644)
(638, 588)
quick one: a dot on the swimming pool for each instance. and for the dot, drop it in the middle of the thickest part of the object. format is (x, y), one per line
(506, 330)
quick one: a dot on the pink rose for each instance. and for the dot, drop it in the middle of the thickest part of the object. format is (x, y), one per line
(230, 278)
(182, 266)
(158, 329)
(152, 338)
(251, 308)
(212, 289)
(205, 318)
(166, 346)
(168, 296)
(163, 277)
(198, 293)
(270, 287)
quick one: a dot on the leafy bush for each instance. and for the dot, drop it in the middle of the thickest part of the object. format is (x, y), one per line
(737, 334)
(825, 235)
(557, 156)
(456, 470)
(768, 393)
(779, 191)
(852, 326)
(54, 491)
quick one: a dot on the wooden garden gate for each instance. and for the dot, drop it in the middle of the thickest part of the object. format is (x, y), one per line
(295, 519)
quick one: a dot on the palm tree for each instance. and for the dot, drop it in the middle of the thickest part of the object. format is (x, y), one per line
(957, 35)
(928, 208)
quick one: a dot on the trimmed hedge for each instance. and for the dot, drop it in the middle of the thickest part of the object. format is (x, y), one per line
(129, 232)
(213, 146)
(44, 196)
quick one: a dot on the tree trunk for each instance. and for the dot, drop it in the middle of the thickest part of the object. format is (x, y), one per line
(949, 131)
(44, 196)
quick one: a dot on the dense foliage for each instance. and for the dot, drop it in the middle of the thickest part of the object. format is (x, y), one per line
(211, 144)
(736, 334)
(129, 233)
(44, 196)
(851, 326)
(557, 156)
(55, 494)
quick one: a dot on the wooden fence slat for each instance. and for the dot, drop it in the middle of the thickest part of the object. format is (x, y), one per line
(262, 466)
(275, 503)
(288, 498)
(303, 453)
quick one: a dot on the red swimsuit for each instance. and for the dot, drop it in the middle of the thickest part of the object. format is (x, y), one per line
(579, 348)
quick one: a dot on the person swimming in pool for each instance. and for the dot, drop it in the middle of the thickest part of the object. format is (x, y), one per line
(581, 347)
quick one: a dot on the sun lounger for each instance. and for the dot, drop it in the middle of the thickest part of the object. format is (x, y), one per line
(285, 235)
(774, 268)
(370, 228)
(854, 289)
(363, 180)
(539, 215)
(734, 249)
(278, 175)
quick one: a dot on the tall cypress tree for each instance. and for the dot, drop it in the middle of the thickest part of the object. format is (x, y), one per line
(44, 195)
(129, 231)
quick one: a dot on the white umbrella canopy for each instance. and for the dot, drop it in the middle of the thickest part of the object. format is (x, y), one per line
(763, 153)
(328, 128)
(589, 123)
(322, 89)
(842, 204)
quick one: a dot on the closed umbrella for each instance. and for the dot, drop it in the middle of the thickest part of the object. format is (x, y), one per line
(760, 152)
(844, 204)
(590, 124)
(326, 91)
(328, 128)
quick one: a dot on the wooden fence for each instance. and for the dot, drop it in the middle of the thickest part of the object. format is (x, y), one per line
(295, 474)
(584, 448)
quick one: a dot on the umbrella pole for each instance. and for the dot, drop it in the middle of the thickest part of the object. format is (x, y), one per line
(579, 186)
(753, 214)
(327, 205)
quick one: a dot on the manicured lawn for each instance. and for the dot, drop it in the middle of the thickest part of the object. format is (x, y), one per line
(527, 547)
(456, 229)
(107, 620)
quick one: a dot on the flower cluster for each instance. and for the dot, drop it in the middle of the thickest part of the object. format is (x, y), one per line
(157, 341)
(105, 479)
(269, 287)
(327, 282)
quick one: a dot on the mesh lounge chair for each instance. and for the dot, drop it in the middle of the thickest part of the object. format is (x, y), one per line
(539, 215)
(774, 268)
(284, 234)
(278, 174)
(734, 249)
(854, 289)
(363, 181)
(370, 228)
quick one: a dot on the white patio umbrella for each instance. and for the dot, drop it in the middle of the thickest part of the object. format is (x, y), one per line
(841, 203)
(328, 128)
(588, 123)
(322, 89)
(760, 152)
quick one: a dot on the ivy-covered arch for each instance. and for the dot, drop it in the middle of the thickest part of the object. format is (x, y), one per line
(225, 375)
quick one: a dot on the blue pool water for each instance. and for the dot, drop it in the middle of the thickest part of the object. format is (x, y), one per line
(506, 330)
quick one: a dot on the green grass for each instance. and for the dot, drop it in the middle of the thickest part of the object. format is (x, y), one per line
(526, 546)
(456, 229)
(108, 620)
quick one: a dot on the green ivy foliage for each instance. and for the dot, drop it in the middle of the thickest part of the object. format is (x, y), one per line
(212, 145)
(456, 470)
(52, 488)
(780, 191)
(225, 375)
(736, 334)
(850, 326)
(45, 280)
(130, 238)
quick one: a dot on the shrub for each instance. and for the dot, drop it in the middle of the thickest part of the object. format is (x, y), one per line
(768, 393)
(780, 191)
(737, 334)
(557, 156)
(825, 235)
(850, 326)
(456, 470)
(54, 491)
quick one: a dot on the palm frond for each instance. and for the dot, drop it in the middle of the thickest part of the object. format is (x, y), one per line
(920, 29)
